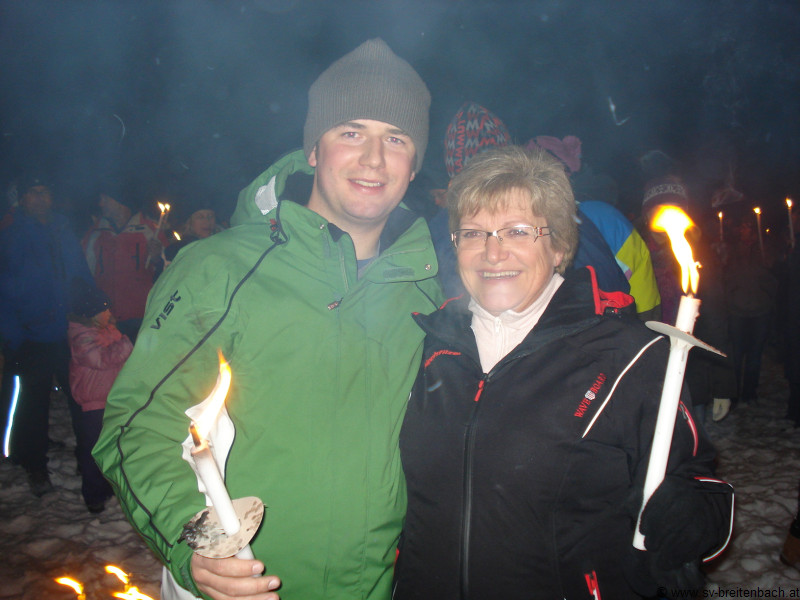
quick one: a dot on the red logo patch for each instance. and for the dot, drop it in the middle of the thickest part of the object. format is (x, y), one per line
(590, 395)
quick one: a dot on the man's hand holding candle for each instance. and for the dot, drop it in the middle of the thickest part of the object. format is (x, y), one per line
(227, 578)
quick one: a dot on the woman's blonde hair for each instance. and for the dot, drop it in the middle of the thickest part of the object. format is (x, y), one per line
(485, 183)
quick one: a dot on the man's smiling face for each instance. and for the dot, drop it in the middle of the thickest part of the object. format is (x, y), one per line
(363, 169)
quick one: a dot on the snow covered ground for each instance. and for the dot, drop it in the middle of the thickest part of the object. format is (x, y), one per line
(45, 538)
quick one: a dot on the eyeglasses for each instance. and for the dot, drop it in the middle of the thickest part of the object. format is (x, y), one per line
(510, 237)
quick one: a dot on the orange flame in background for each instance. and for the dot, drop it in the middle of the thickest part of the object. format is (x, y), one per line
(206, 420)
(130, 593)
(674, 222)
(177, 235)
(75, 585)
(121, 575)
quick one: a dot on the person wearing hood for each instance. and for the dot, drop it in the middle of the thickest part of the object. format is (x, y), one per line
(124, 254)
(193, 219)
(309, 297)
(39, 258)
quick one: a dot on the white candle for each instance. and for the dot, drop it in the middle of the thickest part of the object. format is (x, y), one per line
(164, 212)
(688, 310)
(757, 210)
(165, 208)
(791, 225)
(721, 231)
(674, 222)
(215, 489)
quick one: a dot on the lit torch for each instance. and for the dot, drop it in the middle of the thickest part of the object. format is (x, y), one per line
(757, 210)
(75, 585)
(674, 222)
(131, 592)
(239, 519)
(164, 208)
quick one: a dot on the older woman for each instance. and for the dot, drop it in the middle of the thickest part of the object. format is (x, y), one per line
(527, 435)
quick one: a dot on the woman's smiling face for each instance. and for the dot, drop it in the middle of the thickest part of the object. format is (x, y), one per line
(501, 278)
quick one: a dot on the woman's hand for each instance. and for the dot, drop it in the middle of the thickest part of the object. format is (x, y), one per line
(233, 578)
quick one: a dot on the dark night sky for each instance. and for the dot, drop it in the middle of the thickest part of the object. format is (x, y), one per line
(210, 93)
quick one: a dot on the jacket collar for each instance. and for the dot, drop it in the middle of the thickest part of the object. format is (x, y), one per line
(572, 309)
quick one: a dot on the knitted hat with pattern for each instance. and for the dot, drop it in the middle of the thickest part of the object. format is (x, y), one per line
(472, 130)
(371, 82)
(665, 190)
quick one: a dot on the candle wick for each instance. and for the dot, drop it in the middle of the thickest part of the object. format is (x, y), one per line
(196, 439)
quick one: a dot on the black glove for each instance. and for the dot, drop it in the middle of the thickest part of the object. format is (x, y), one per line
(647, 580)
(685, 520)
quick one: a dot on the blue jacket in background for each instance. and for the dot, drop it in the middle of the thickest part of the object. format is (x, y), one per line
(37, 263)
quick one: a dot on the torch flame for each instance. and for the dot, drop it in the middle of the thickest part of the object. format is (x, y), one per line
(206, 420)
(675, 222)
(132, 593)
(75, 585)
(121, 575)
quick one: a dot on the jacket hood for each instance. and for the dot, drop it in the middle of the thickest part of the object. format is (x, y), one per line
(262, 195)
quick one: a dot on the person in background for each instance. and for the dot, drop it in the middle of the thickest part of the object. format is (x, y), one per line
(193, 220)
(750, 291)
(39, 258)
(528, 431)
(710, 378)
(472, 130)
(309, 298)
(791, 323)
(600, 221)
(664, 191)
(124, 254)
(98, 350)
(790, 553)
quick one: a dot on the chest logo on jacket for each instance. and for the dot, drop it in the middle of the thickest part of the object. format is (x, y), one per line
(166, 310)
(590, 395)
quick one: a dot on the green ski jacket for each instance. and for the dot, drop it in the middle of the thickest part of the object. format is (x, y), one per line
(322, 365)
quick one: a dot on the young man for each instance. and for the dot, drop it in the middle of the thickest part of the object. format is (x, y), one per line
(311, 305)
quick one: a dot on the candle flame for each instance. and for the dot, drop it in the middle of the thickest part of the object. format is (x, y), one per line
(675, 222)
(719, 214)
(206, 420)
(75, 585)
(757, 210)
(789, 203)
(164, 208)
(177, 235)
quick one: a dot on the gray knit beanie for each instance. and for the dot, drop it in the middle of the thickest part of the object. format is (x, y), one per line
(371, 82)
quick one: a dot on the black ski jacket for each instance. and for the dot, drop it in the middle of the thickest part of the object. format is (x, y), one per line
(522, 482)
